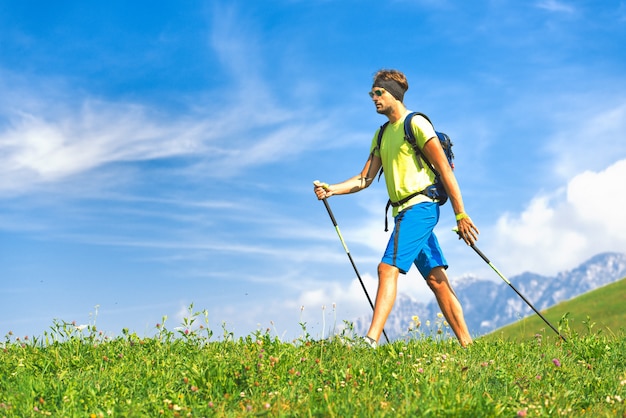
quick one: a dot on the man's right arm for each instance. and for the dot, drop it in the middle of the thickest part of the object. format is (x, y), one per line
(352, 185)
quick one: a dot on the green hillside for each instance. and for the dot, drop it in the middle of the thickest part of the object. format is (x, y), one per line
(606, 307)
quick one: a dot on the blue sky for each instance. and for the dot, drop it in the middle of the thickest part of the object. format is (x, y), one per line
(154, 155)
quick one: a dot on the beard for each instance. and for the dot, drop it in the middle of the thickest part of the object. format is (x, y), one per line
(383, 110)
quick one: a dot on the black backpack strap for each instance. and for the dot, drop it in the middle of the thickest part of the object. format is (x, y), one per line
(430, 192)
(396, 204)
(380, 134)
(379, 141)
(409, 136)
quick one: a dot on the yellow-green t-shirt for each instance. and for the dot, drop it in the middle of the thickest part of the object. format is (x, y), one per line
(403, 175)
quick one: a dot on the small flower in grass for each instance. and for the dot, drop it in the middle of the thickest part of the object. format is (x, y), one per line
(211, 405)
(267, 405)
(614, 399)
(522, 413)
(556, 362)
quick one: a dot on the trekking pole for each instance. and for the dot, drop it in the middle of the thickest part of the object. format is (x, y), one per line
(345, 247)
(484, 257)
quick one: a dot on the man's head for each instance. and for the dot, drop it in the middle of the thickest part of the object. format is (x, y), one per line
(392, 81)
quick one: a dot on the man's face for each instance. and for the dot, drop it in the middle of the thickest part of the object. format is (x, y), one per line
(382, 99)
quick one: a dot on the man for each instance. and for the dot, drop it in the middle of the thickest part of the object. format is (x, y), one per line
(412, 240)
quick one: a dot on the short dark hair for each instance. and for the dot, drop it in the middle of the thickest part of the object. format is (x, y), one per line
(392, 75)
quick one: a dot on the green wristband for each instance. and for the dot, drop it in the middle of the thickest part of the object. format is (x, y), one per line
(461, 215)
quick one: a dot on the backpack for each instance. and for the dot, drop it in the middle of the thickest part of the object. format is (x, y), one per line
(435, 191)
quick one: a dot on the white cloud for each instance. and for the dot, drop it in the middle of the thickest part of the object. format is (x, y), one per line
(599, 199)
(560, 231)
(42, 146)
(46, 148)
(349, 297)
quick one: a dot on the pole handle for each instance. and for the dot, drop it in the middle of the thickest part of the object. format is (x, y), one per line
(474, 247)
(317, 183)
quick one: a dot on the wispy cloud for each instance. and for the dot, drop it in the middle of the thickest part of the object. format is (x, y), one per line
(47, 148)
(556, 6)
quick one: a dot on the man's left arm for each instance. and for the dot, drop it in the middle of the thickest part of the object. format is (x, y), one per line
(435, 154)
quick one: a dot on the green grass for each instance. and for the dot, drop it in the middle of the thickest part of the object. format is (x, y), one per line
(72, 372)
(601, 310)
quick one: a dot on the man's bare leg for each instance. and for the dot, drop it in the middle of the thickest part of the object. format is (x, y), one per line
(385, 298)
(448, 302)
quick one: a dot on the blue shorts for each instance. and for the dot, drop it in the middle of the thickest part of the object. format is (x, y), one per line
(413, 240)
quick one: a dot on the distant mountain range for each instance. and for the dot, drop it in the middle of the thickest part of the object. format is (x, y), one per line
(489, 305)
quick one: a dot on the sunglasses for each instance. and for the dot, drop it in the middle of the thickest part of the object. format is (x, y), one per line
(376, 92)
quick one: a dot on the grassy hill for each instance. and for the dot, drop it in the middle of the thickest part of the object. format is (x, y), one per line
(606, 307)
